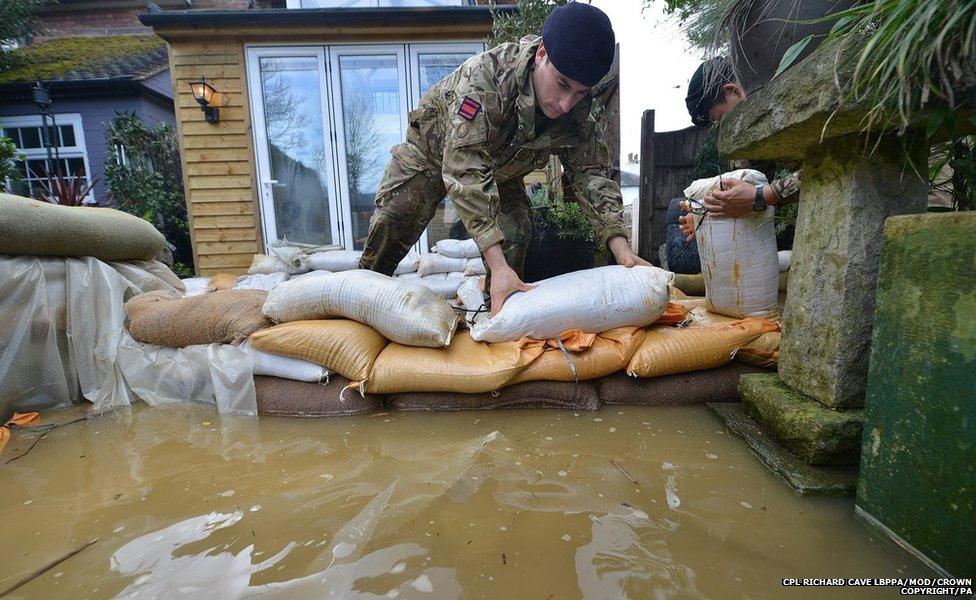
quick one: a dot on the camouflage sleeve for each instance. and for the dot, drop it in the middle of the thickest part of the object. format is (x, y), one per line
(467, 169)
(588, 166)
(787, 188)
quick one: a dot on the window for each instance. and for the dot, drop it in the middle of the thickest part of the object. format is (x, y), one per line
(28, 136)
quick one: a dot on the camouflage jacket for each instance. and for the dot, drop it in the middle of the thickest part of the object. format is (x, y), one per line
(478, 127)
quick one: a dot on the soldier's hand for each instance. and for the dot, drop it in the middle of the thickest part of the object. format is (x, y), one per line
(504, 283)
(686, 223)
(620, 248)
(733, 201)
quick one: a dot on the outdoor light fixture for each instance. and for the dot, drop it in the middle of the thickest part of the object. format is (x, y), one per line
(207, 97)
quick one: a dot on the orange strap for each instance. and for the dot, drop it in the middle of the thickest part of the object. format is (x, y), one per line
(19, 420)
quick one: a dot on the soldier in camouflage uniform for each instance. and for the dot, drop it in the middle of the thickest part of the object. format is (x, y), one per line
(480, 130)
(712, 92)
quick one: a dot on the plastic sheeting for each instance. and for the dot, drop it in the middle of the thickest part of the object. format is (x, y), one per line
(64, 340)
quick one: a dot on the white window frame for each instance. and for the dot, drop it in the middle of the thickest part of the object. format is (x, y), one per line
(407, 53)
(335, 54)
(269, 222)
(79, 150)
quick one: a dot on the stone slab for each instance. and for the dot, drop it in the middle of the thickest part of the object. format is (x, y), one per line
(846, 197)
(805, 479)
(814, 433)
(918, 463)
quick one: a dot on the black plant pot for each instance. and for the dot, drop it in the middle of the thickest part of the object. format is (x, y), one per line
(549, 255)
(771, 28)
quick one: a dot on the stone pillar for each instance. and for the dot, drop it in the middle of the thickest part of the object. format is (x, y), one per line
(848, 192)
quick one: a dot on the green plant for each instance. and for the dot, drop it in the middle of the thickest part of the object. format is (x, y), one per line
(906, 56)
(146, 178)
(528, 20)
(707, 162)
(550, 210)
(17, 22)
(700, 19)
(66, 191)
(8, 167)
(952, 170)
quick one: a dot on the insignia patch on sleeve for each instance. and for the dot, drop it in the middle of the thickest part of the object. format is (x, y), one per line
(469, 108)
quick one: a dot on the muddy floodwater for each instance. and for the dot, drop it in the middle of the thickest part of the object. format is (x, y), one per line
(634, 502)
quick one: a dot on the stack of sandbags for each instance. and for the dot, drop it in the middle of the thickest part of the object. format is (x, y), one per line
(288, 398)
(166, 318)
(594, 300)
(448, 265)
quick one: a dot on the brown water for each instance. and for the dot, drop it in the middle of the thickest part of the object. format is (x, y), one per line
(633, 502)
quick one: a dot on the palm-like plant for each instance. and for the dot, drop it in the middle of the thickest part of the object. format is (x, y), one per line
(67, 191)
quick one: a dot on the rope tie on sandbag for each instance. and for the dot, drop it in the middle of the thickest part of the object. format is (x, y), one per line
(569, 360)
(476, 311)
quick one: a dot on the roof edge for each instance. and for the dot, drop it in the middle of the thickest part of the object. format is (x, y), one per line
(416, 15)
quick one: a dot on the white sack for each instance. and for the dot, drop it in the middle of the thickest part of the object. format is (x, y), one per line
(264, 264)
(403, 312)
(294, 257)
(457, 248)
(784, 257)
(197, 286)
(409, 264)
(738, 256)
(286, 367)
(444, 285)
(593, 300)
(472, 298)
(309, 276)
(433, 263)
(335, 260)
(266, 282)
(475, 266)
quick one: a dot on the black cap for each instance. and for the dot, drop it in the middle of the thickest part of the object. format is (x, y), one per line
(580, 42)
(706, 88)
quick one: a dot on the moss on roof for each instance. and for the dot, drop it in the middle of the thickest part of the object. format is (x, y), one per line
(83, 58)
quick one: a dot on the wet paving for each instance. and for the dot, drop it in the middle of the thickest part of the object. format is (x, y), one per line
(632, 502)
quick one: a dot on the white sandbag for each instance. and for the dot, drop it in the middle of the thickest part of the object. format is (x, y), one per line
(785, 257)
(286, 367)
(403, 312)
(433, 263)
(472, 298)
(475, 266)
(457, 248)
(309, 275)
(197, 286)
(593, 300)
(263, 264)
(335, 260)
(738, 258)
(409, 264)
(444, 285)
(260, 281)
(408, 276)
(294, 256)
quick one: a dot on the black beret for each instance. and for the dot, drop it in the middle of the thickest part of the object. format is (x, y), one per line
(580, 42)
(706, 88)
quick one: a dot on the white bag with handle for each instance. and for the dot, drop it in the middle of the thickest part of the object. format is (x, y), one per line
(406, 313)
(593, 300)
(335, 260)
(433, 263)
(738, 257)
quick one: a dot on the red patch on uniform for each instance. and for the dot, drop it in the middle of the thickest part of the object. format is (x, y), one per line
(469, 108)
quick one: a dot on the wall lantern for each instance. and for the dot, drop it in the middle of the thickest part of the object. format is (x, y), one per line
(208, 98)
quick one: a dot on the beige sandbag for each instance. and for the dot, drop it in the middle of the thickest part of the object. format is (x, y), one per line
(223, 281)
(168, 319)
(342, 346)
(608, 353)
(762, 351)
(38, 228)
(669, 350)
(406, 313)
(465, 366)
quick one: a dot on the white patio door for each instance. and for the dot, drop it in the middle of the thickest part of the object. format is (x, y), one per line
(325, 118)
(293, 145)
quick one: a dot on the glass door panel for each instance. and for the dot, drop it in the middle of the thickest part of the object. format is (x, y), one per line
(292, 145)
(370, 114)
(429, 64)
